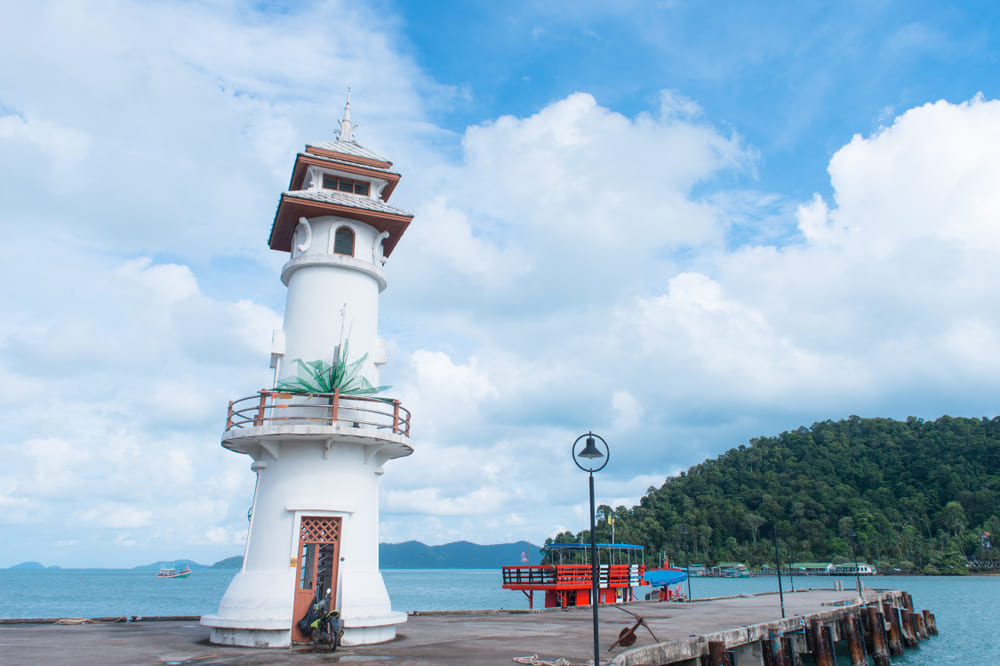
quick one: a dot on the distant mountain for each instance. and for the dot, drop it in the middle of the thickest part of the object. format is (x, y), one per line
(457, 555)
(172, 564)
(32, 565)
(234, 562)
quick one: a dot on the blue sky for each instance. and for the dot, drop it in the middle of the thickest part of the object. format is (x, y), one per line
(796, 79)
(682, 225)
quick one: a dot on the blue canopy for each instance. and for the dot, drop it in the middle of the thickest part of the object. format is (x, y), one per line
(664, 577)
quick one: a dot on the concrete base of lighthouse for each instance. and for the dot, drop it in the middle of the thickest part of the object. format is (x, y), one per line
(309, 473)
(256, 611)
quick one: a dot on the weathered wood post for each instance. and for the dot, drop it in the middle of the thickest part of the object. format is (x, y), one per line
(855, 642)
(921, 626)
(766, 656)
(910, 639)
(879, 647)
(788, 648)
(717, 654)
(822, 646)
(895, 634)
(930, 622)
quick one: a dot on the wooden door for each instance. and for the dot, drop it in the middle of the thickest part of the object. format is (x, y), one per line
(316, 572)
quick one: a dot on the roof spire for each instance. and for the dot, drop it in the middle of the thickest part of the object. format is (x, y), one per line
(346, 128)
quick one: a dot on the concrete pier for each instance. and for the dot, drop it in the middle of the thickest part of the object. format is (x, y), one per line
(682, 632)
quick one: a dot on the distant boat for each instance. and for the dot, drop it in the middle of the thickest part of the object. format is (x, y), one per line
(174, 573)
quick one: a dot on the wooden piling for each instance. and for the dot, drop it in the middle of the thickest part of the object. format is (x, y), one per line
(878, 645)
(910, 639)
(866, 626)
(717, 654)
(930, 622)
(855, 641)
(773, 653)
(822, 648)
(788, 649)
(921, 627)
(895, 633)
(766, 657)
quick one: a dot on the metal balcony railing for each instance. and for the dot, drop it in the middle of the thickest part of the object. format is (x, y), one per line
(285, 408)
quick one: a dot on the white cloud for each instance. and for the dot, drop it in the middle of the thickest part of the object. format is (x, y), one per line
(570, 268)
(115, 515)
(66, 146)
(627, 410)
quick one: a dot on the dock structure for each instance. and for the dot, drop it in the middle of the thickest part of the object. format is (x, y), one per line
(746, 630)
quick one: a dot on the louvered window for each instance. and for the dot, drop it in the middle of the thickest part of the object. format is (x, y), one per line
(343, 241)
(345, 185)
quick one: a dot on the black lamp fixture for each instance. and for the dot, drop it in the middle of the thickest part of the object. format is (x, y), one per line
(857, 570)
(687, 564)
(592, 455)
(590, 449)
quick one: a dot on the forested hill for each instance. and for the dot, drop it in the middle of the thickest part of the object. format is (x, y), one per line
(919, 495)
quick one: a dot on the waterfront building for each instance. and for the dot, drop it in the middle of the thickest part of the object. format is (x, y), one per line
(730, 570)
(849, 569)
(320, 437)
(811, 568)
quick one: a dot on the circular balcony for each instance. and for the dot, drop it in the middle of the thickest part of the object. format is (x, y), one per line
(269, 415)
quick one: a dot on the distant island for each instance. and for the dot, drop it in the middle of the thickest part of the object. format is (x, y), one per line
(32, 565)
(457, 555)
(234, 562)
(406, 555)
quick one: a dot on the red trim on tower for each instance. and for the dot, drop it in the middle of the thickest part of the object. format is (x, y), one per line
(290, 209)
(347, 156)
(303, 162)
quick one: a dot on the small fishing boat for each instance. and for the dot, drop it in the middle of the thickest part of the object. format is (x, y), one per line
(174, 573)
(566, 575)
(663, 580)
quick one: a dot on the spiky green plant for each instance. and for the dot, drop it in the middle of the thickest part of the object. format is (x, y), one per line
(322, 377)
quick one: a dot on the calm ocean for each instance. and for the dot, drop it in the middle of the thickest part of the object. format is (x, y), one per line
(967, 608)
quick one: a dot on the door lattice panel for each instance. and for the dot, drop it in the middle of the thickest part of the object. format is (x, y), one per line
(319, 530)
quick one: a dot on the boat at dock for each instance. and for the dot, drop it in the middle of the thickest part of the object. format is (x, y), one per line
(566, 575)
(174, 573)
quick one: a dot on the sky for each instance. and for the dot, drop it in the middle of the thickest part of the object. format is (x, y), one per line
(680, 225)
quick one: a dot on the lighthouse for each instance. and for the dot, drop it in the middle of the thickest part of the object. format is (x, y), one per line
(319, 438)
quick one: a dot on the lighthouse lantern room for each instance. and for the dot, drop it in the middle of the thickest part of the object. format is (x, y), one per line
(320, 437)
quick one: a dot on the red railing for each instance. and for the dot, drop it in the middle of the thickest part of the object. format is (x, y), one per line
(284, 408)
(569, 576)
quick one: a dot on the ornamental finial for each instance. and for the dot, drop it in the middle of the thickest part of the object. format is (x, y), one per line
(346, 128)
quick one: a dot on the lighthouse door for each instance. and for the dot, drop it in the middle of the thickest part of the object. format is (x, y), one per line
(319, 554)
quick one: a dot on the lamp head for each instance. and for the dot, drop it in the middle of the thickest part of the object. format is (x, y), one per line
(590, 450)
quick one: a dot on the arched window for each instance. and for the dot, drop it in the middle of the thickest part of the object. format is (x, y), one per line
(343, 241)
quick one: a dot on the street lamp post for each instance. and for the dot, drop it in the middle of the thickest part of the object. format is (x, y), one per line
(687, 563)
(857, 569)
(777, 564)
(591, 456)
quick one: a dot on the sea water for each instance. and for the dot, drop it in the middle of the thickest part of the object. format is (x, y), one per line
(967, 609)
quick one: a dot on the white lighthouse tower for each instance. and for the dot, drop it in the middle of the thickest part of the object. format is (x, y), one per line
(319, 439)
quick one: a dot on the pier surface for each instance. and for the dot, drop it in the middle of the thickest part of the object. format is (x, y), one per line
(443, 638)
